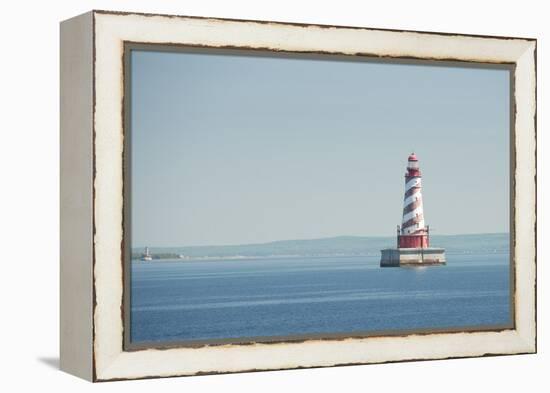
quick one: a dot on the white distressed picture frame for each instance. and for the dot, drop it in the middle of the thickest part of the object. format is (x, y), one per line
(92, 141)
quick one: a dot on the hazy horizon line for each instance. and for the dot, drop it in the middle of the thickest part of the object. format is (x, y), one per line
(312, 238)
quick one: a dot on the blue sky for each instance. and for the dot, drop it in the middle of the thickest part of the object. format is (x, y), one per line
(241, 149)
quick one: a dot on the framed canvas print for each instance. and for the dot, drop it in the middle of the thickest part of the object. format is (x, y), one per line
(245, 195)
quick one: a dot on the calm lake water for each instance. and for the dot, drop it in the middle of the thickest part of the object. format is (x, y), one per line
(175, 301)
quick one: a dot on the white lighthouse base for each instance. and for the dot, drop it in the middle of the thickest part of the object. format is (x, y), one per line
(395, 257)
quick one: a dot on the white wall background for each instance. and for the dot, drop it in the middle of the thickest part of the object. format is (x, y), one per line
(29, 183)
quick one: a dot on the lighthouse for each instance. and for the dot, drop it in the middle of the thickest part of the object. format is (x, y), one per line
(413, 233)
(413, 236)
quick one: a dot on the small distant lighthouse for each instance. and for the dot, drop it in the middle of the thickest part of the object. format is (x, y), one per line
(413, 236)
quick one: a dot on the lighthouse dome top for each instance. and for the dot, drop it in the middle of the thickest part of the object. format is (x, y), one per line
(412, 157)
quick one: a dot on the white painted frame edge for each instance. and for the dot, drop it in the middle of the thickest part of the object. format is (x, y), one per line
(76, 196)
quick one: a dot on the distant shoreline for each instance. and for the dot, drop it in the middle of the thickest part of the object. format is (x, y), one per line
(339, 246)
(245, 258)
(330, 238)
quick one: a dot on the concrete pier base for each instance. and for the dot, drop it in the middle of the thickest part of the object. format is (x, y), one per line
(395, 257)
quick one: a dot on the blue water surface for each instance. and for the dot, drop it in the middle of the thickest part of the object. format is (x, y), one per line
(199, 300)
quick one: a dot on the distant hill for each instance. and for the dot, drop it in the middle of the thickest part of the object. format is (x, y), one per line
(341, 245)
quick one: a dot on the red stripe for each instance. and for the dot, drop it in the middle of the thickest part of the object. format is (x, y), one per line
(412, 222)
(411, 191)
(413, 205)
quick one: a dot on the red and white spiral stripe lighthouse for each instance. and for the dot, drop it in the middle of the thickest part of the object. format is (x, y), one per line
(413, 236)
(413, 233)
